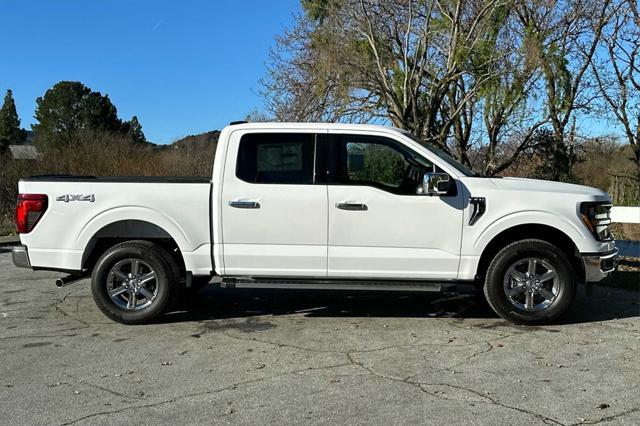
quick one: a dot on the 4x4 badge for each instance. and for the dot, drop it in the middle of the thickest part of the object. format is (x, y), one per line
(76, 197)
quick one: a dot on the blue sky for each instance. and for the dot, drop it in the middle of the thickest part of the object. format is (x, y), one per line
(183, 67)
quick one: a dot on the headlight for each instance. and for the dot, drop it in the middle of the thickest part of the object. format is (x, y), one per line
(596, 216)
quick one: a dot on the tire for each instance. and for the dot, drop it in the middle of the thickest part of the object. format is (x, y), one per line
(134, 267)
(521, 297)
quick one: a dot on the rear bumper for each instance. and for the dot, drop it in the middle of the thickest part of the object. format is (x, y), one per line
(597, 266)
(20, 257)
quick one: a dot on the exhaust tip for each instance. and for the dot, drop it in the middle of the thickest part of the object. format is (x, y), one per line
(69, 279)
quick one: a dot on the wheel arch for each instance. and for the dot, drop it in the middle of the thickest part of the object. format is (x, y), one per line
(123, 230)
(539, 231)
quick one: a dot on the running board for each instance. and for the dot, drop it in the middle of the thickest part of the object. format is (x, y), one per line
(306, 284)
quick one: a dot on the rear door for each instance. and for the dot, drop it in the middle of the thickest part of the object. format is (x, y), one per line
(381, 226)
(274, 206)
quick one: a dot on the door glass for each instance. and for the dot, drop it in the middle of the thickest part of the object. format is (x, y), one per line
(378, 162)
(375, 164)
(276, 158)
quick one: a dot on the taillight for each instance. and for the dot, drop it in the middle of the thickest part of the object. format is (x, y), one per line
(29, 210)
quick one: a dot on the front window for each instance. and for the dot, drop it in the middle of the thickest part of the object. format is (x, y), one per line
(378, 162)
(442, 155)
(374, 163)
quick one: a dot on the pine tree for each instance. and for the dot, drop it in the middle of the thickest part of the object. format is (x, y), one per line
(70, 108)
(135, 130)
(10, 131)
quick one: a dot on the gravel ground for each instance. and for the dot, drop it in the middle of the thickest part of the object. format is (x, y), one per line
(255, 357)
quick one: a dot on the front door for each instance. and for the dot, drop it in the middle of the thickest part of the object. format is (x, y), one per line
(274, 213)
(381, 226)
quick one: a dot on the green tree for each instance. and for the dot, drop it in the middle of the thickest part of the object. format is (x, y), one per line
(318, 10)
(557, 157)
(10, 131)
(70, 108)
(133, 130)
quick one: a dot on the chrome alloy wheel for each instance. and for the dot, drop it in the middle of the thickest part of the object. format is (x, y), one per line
(531, 284)
(131, 284)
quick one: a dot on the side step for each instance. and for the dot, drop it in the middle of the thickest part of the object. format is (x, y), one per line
(307, 284)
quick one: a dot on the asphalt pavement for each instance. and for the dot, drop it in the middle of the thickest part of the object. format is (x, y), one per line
(260, 357)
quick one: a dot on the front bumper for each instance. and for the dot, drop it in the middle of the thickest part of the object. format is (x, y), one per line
(20, 257)
(598, 266)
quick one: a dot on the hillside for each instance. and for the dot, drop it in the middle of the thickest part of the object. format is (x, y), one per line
(201, 142)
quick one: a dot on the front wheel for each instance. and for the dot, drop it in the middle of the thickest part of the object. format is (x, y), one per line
(134, 282)
(530, 282)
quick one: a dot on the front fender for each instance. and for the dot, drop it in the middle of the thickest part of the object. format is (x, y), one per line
(572, 229)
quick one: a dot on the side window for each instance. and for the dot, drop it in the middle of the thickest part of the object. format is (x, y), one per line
(376, 161)
(284, 158)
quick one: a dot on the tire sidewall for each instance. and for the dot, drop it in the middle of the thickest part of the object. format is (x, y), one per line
(494, 287)
(99, 284)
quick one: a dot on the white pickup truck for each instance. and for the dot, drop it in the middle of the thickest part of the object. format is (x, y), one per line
(319, 206)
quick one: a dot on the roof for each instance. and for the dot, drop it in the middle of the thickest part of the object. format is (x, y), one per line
(345, 127)
(24, 152)
(321, 126)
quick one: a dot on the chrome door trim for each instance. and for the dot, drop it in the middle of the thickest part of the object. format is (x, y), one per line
(352, 206)
(244, 204)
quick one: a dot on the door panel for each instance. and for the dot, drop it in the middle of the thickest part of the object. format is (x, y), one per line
(394, 233)
(273, 229)
(395, 237)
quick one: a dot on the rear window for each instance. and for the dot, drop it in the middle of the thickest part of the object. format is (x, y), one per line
(284, 158)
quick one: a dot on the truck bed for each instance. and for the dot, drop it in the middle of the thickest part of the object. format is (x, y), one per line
(118, 179)
(83, 209)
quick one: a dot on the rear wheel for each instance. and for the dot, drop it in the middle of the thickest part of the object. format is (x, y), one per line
(530, 282)
(134, 282)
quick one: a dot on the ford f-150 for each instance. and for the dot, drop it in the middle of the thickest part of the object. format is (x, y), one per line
(319, 206)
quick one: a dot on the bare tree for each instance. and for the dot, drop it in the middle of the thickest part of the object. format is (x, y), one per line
(478, 78)
(417, 64)
(617, 72)
(507, 99)
(567, 36)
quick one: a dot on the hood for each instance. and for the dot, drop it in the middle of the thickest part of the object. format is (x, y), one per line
(521, 184)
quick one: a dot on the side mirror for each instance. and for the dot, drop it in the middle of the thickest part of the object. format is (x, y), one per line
(437, 184)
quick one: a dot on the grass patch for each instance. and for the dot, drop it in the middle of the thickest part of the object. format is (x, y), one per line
(7, 226)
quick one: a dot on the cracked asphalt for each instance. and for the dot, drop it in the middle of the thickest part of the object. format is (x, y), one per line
(255, 357)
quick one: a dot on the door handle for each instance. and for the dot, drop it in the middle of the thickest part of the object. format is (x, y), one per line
(352, 206)
(244, 204)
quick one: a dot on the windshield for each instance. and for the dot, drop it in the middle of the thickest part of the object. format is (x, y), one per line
(442, 155)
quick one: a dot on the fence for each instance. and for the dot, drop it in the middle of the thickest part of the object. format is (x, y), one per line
(625, 214)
